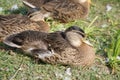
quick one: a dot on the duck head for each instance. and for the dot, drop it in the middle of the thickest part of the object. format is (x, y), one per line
(75, 35)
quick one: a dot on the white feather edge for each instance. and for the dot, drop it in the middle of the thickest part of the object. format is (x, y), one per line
(11, 44)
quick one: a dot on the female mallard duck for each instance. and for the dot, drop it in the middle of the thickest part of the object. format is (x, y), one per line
(68, 47)
(16, 23)
(63, 10)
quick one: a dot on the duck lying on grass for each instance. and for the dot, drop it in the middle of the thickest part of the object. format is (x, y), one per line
(15, 23)
(67, 48)
(62, 10)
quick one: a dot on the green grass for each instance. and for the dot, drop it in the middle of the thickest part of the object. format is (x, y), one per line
(113, 52)
(22, 67)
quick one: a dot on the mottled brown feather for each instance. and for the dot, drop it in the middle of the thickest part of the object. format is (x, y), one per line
(66, 54)
(63, 10)
(15, 23)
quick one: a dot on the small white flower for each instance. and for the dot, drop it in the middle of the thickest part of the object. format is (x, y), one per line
(67, 78)
(107, 60)
(14, 7)
(1, 9)
(58, 75)
(108, 7)
(104, 25)
(68, 71)
(118, 57)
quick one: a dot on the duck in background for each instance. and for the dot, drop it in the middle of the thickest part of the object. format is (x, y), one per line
(61, 47)
(62, 10)
(15, 23)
